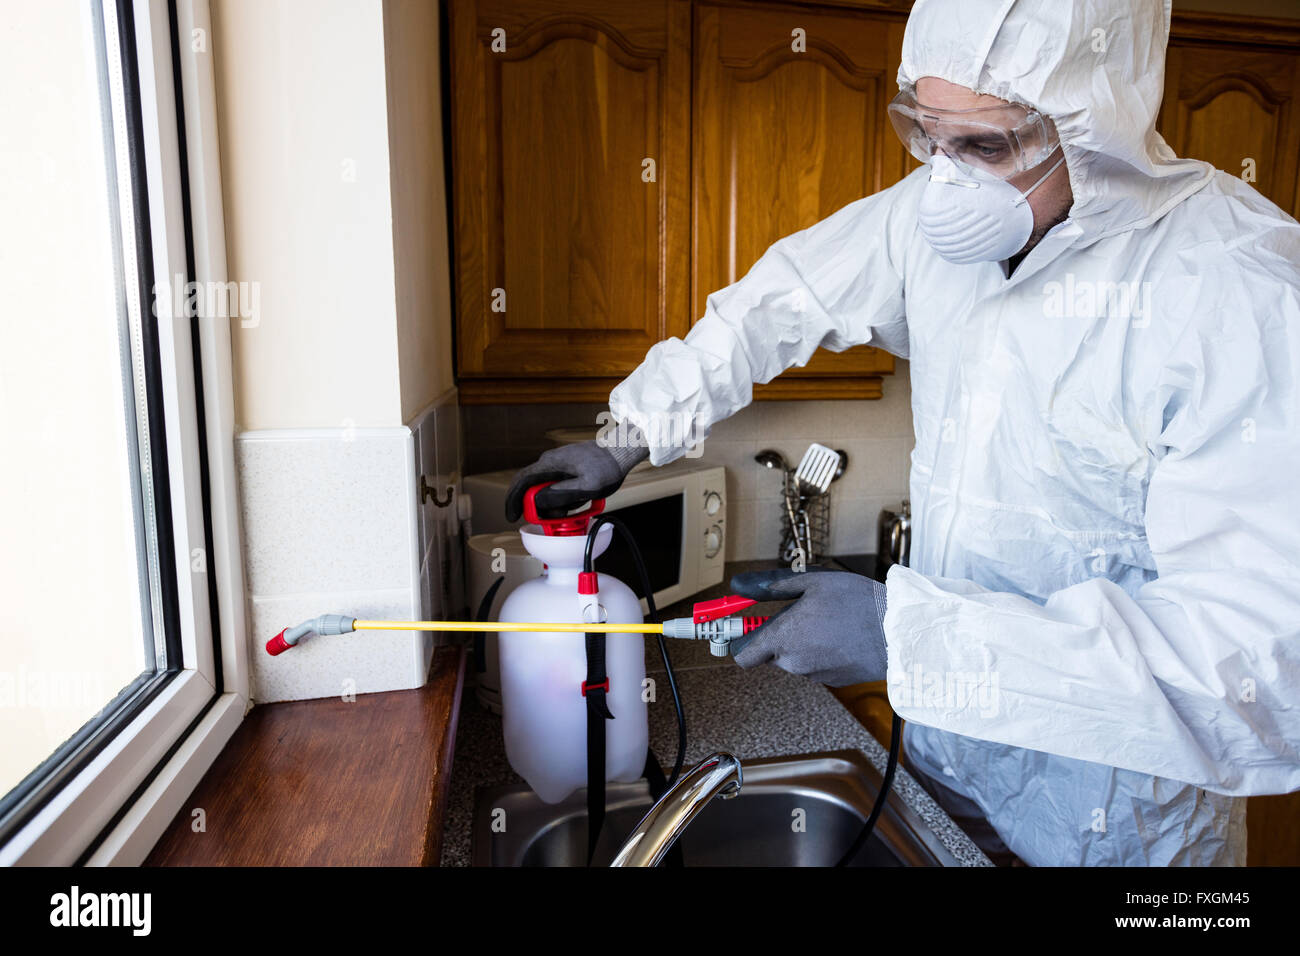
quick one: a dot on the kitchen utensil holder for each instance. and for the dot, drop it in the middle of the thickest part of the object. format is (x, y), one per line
(812, 515)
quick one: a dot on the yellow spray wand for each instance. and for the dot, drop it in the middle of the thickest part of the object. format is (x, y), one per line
(360, 625)
(709, 620)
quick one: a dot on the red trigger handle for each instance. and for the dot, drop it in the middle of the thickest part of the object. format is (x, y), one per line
(719, 607)
(568, 524)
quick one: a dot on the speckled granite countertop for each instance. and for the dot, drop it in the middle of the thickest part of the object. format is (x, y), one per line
(761, 712)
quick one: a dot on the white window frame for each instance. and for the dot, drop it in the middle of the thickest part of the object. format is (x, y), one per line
(123, 799)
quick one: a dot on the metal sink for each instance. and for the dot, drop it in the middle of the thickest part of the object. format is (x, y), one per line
(834, 791)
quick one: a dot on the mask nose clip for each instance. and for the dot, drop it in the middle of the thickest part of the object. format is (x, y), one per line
(946, 175)
(948, 180)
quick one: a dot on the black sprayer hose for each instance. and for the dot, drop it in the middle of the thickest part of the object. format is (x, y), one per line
(587, 565)
(895, 738)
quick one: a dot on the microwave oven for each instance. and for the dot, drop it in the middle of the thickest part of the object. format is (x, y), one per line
(676, 513)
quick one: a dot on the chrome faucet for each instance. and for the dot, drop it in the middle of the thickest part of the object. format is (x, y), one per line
(717, 776)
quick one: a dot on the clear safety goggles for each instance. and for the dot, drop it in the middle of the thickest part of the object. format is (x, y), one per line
(999, 140)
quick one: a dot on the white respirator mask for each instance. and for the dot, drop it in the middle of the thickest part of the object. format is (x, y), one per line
(973, 216)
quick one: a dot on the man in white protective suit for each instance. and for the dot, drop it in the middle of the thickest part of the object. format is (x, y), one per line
(1104, 348)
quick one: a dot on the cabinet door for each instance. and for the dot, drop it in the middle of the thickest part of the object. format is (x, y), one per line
(1233, 104)
(570, 136)
(789, 125)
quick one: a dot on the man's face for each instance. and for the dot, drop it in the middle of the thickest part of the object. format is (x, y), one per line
(1052, 200)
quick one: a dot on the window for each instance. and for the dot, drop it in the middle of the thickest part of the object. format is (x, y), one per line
(111, 657)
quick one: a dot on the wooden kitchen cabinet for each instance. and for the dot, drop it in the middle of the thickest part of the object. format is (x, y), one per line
(789, 126)
(571, 145)
(1232, 90)
(569, 265)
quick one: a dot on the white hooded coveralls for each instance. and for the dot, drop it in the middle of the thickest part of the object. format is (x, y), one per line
(1104, 485)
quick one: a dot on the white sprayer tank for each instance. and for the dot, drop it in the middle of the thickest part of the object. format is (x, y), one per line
(544, 711)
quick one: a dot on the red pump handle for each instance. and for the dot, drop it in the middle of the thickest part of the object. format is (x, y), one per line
(573, 524)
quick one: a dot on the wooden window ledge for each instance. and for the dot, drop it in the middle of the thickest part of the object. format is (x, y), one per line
(328, 782)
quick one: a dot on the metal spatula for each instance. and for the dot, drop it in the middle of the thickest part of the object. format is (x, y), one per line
(817, 469)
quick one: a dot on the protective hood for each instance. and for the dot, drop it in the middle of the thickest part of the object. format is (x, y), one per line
(1096, 67)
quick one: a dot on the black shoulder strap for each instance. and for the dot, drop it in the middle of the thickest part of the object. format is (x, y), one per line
(595, 688)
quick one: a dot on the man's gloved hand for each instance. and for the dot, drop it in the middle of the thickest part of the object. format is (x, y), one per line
(833, 633)
(581, 472)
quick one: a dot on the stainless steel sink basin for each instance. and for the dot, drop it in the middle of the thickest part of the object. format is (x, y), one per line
(791, 811)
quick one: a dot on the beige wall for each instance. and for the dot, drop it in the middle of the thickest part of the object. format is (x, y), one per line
(422, 263)
(317, 153)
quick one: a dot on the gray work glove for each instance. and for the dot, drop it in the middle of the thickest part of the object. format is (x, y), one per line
(833, 633)
(581, 472)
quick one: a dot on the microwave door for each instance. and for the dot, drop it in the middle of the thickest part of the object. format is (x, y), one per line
(658, 524)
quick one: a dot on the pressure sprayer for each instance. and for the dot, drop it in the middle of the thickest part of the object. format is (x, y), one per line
(573, 706)
(573, 709)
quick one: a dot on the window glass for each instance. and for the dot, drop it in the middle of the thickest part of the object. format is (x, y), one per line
(79, 572)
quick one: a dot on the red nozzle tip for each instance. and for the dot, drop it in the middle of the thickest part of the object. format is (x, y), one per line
(277, 644)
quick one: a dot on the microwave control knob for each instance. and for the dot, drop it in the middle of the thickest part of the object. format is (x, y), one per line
(712, 542)
(712, 502)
